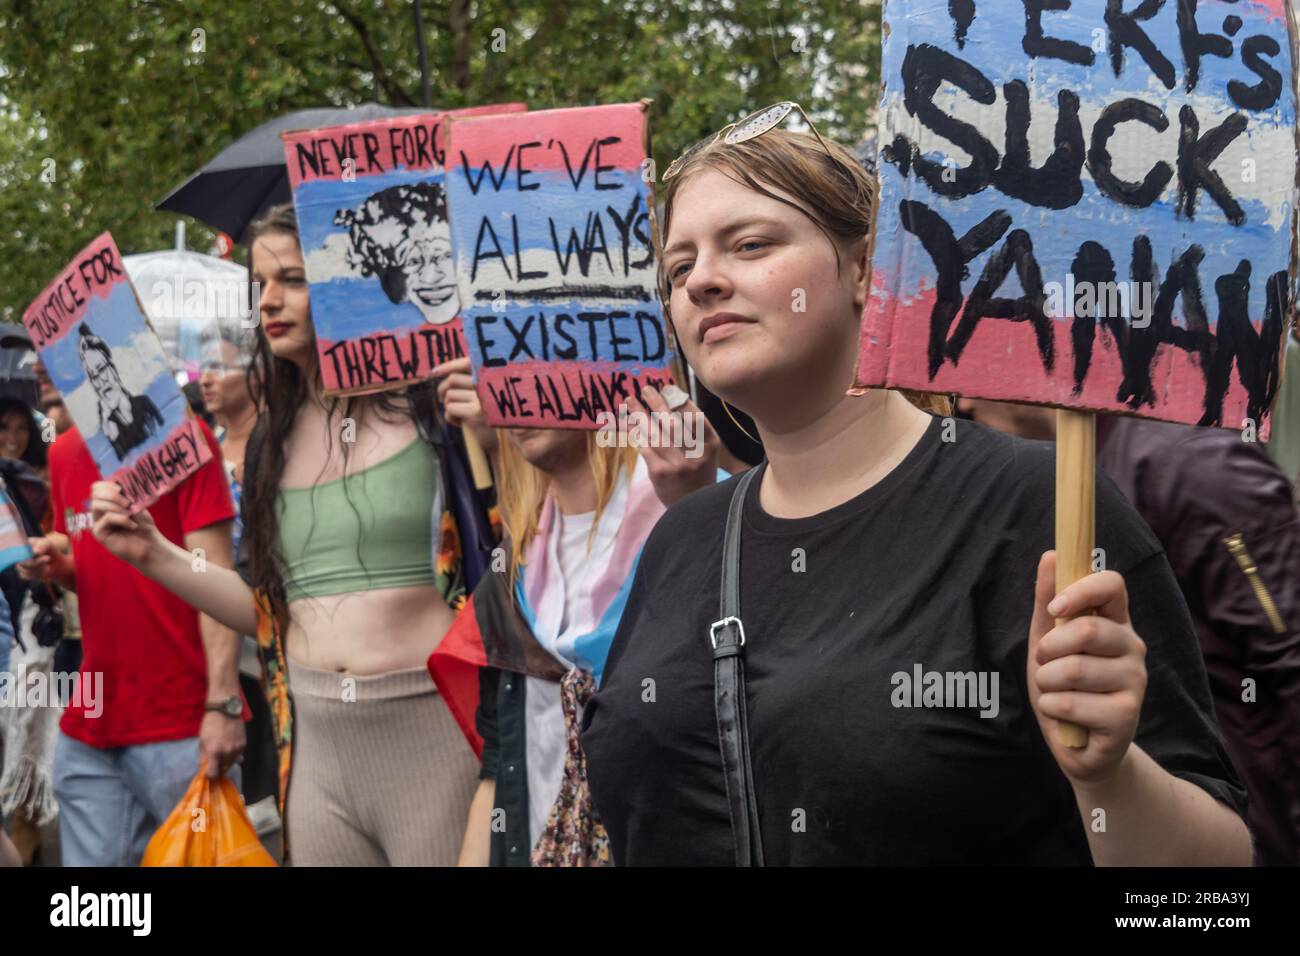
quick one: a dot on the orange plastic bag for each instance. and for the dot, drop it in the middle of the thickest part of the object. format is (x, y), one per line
(209, 827)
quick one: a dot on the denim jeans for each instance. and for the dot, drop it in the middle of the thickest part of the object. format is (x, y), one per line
(112, 800)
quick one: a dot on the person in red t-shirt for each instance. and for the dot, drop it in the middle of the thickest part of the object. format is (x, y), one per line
(159, 683)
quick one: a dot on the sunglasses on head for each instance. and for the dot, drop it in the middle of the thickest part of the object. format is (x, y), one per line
(752, 126)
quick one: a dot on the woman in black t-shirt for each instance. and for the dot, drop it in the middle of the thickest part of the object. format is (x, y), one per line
(904, 674)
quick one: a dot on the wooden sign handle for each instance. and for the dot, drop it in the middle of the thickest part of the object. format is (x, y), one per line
(1076, 480)
(478, 462)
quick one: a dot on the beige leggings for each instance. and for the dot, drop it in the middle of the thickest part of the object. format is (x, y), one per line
(382, 775)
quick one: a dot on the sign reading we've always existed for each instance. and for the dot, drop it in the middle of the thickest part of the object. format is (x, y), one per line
(1087, 205)
(372, 219)
(550, 215)
(104, 358)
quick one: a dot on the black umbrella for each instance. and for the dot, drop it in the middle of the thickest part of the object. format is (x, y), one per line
(248, 177)
(17, 365)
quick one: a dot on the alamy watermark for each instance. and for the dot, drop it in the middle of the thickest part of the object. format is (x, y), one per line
(63, 689)
(685, 430)
(226, 300)
(1100, 300)
(960, 689)
(74, 908)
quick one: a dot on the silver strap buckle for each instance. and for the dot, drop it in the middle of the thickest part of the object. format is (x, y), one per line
(713, 630)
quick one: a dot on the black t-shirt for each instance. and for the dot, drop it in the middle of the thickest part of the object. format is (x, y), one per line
(932, 569)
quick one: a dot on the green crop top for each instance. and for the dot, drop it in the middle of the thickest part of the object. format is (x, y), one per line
(397, 501)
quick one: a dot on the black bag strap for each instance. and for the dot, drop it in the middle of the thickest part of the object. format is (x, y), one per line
(727, 638)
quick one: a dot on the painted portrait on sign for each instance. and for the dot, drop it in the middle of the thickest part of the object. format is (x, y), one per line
(376, 243)
(401, 236)
(126, 419)
(108, 364)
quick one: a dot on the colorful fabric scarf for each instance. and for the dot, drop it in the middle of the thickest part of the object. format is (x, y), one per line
(520, 632)
(574, 835)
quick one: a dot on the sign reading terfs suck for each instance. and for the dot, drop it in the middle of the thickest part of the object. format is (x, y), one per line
(1087, 205)
(108, 364)
(551, 227)
(372, 220)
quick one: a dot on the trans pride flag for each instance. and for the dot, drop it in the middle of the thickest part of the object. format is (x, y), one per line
(13, 538)
(520, 631)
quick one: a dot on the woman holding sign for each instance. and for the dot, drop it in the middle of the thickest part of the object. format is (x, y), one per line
(902, 675)
(352, 566)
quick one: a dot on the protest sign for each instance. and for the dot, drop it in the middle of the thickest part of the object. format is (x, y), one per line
(372, 220)
(1087, 205)
(13, 537)
(1091, 207)
(551, 227)
(108, 364)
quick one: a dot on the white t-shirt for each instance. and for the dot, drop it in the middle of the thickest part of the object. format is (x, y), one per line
(544, 718)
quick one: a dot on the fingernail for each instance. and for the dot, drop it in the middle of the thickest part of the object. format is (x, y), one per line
(675, 397)
(1056, 607)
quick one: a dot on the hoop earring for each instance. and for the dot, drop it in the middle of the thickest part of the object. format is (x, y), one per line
(727, 408)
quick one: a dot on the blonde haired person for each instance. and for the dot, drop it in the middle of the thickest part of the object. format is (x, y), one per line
(576, 512)
(903, 675)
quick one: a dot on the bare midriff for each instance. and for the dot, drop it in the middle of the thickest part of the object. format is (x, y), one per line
(367, 632)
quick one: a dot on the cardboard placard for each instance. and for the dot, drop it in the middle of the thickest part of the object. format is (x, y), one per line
(104, 358)
(1087, 208)
(551, 228)
(372, 219)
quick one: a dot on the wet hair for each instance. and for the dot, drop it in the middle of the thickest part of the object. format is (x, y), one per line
(34, 453)
(833, 189)
(410, 204)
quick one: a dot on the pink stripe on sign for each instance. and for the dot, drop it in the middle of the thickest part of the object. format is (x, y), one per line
(93, 273)
(1271, 9)
(1001, 363)
(161, 469)
(363, 149)
(560, 395)
(385, 359)
(513, 141)
(374, 147)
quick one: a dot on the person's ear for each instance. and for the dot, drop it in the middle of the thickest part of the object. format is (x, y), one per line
(860, 263)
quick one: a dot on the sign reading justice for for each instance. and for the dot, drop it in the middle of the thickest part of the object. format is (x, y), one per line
(107, 363)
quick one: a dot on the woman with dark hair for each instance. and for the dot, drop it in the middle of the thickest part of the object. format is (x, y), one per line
(352, 562)
(879, 677)
(20, 436)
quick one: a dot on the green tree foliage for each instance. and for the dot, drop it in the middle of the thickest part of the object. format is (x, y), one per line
(105, 107)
